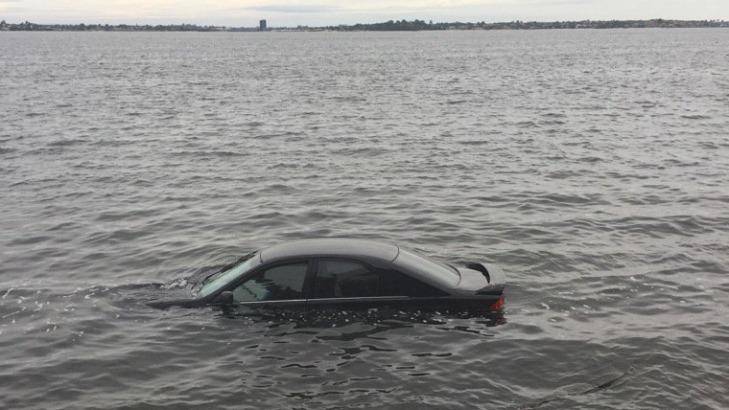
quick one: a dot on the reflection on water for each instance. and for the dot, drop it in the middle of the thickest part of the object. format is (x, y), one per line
(373, 316)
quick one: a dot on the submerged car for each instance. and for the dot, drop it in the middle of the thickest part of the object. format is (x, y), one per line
(346, 274)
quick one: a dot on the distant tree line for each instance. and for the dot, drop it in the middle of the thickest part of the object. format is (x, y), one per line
(28, 26)
(397, 25)
(419, 25)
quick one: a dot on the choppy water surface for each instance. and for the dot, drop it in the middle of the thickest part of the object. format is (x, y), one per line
(592, 166)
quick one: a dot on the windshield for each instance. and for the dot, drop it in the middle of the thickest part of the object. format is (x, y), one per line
(431, 260)
(218, 280)
(428, 269)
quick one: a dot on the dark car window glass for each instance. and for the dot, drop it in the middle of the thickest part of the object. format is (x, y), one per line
(283, 282)
(398, 284)
(344, 279)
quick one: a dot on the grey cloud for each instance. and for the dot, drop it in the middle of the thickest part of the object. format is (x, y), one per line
(298, 9)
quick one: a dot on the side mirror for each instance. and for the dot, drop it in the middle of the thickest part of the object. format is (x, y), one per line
(224, 298)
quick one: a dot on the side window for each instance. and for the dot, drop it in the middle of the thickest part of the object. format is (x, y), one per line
(283, 282)
(395, 283)
(344, 279)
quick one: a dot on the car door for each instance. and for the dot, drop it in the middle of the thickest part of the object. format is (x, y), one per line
(411, 294)
(275, 288)
(347, 285)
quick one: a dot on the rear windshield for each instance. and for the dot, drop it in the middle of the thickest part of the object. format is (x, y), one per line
(429, 268)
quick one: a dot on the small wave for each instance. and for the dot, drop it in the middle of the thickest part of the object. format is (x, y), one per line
(363, 151)
(210, 154)
(66, 142)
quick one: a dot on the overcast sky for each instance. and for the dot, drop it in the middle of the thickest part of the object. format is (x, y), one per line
(325, 12)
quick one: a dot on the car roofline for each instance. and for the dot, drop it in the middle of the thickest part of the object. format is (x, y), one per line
(331, 247)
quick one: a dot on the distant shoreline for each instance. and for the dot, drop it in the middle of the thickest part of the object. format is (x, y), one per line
(400, 25)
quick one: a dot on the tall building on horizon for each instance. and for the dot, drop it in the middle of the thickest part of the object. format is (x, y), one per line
(262, 25)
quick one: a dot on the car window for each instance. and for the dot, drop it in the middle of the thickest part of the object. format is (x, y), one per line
(284, 282)
(394, 283)
(344, 279)
(220, 279)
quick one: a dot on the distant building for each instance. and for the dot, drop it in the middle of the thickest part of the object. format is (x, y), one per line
(262, 25)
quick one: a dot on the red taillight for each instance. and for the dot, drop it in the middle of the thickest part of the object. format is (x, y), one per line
(498, 305)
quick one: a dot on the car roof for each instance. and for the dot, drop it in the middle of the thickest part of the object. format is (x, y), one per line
(331, 247)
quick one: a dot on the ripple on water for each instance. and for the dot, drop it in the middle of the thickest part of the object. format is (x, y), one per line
(598, 188)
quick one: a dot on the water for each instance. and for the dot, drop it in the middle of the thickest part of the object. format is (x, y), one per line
(591, 166)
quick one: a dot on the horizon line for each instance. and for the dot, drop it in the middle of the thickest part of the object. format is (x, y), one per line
(401, 21)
